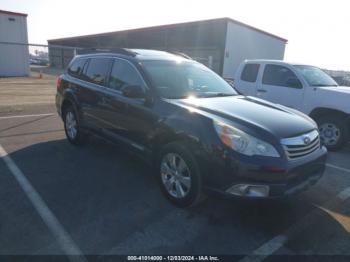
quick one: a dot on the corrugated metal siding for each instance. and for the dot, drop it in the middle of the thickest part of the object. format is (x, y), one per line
(203, 41)
(14, 58)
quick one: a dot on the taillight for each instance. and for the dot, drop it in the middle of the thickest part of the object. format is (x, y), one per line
(59, 81)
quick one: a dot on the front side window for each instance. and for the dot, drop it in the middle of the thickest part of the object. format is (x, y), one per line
(277, 75)
(174, 79)
(315, 76)
(250, 72)
(124, 74)
(97, 70)
(77, 67)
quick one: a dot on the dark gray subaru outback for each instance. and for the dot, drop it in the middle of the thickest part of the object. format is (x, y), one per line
(198, 132)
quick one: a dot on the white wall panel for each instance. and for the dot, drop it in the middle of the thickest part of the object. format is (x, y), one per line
(14, 59)
(246, 43)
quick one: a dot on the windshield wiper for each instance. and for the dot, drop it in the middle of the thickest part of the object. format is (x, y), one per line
(202, 95)
(218, 94)
(176, 97)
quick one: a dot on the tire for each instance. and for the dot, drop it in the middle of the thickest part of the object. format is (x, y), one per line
(188, 175)
(334, 131)
(72, 128)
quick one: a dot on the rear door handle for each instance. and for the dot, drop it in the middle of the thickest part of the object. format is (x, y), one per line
(262, 90)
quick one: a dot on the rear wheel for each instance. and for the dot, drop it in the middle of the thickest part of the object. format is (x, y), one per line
(71, 127)
(333, 131)
(179, 175)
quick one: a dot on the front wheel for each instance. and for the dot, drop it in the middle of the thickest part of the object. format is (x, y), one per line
(179, 175)
(333, 131)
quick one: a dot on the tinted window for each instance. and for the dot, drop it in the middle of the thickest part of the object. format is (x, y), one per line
(97, 70)
(77, 67)
(278, 76)
(250, 72)
(123, 74)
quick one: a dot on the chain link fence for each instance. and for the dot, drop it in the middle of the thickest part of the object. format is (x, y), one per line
(59, 56)
(38, 56)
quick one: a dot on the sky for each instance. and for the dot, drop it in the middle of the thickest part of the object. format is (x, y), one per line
(318, 31)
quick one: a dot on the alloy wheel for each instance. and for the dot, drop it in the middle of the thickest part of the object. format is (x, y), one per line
(175, 175)
(71, 125)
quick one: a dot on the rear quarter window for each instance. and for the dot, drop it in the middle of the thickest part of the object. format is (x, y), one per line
(250, 72)
(77, 67)
(97, 70)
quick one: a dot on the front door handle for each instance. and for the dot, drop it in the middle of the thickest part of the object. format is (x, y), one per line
(262, 90)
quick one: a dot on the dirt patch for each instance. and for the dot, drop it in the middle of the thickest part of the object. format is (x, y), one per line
(20, 92)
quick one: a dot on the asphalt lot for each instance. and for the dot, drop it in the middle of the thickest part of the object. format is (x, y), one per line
(107, 201)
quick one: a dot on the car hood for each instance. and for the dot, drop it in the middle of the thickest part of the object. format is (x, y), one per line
(275, 119)
(333, 97)
(339, 89)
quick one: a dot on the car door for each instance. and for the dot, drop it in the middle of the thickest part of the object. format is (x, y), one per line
(78, 87)
(91, 93)
(129, 119)
(279, 84)
(248, 79)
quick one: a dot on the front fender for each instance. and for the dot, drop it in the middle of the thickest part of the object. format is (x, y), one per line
(195, 131)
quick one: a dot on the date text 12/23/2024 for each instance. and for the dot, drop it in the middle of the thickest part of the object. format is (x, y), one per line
(173, 258)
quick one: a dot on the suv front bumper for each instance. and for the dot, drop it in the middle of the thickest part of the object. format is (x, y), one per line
(257, 179)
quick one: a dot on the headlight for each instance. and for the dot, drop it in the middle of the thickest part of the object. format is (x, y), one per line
(242, 142)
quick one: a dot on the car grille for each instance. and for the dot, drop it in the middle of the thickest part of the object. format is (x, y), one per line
(300, 146)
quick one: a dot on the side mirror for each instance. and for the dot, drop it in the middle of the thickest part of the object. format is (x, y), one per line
(133, 92)
(293, 82)
(230, 81)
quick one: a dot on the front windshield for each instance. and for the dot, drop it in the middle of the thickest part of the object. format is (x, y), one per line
(183, 79)
(315, 76)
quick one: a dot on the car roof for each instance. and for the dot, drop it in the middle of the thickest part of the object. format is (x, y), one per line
(138, 54)
(272, 61)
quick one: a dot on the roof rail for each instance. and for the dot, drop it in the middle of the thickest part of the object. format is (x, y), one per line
(122, 51)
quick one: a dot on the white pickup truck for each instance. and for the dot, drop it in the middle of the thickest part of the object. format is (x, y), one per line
(302, 87)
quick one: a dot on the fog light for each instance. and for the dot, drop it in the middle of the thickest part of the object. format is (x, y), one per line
(249, 190)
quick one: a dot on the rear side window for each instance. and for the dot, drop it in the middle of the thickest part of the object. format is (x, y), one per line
(277, 75)
(97, 70)
(250, 72)
(123, 74)
(77, 67)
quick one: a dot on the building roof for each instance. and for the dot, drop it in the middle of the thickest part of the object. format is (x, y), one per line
(12, 13)
(225, 19)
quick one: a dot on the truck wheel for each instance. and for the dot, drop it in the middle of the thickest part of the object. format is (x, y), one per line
(333, 131)
(179, 175)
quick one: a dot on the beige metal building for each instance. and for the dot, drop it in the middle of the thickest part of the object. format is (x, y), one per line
(14, 54)
(222, 43)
